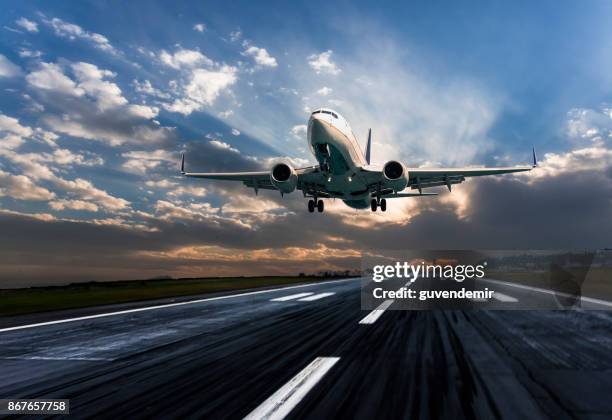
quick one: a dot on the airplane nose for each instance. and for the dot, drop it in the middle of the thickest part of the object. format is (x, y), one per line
(319, 127)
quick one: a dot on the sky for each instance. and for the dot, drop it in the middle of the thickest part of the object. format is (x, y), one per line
(100, 99)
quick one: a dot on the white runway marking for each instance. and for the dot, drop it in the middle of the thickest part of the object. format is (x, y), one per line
(376, 313)
(285, 298)
(280, 404)
(167, 305)
(317, 296)
(504, 298)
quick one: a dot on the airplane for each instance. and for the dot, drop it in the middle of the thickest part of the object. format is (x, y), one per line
(346, 173)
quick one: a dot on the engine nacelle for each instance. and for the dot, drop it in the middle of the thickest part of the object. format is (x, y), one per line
(283, 177)
(396, 175)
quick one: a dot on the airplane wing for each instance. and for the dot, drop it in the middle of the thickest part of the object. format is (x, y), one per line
(419, 178)
(258, 180)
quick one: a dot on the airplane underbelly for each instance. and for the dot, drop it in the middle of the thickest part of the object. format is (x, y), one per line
(357, 204)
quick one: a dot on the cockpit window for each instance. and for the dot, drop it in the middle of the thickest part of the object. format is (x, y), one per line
(322, 111)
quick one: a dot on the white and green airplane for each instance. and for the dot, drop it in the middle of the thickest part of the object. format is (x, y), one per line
(345, 172)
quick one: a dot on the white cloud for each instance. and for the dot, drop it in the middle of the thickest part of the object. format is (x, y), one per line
(184, 58)
(85, 190)
(101, 101)
(21, 187)
(235, 36)
(322, 63)
(12, 125)
(164, 183)
(594, 158)
(25, 53)
(50, 77)
(147, 88)
(589, 124)
(200, 27)
(188, 190)
(72, 32)
(26, 24)
(8, 68)
(140, 162)
(226, 114)
(299, 131)
(324, 91)
(73, 205)
(235, 132)
(261, 56)
(194, 211)
(222, 145)
(203, 89)
(107, 95)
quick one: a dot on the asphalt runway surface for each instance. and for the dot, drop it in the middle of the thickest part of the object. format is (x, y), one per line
(311, 352)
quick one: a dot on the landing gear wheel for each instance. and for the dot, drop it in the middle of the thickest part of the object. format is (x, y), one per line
(320, 206)
(383, 204)
(311, 206)
(374, 204)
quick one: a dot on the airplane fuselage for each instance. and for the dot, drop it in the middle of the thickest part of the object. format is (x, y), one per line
(335, 147)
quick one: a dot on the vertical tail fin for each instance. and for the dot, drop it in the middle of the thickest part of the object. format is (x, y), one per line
(368, 146)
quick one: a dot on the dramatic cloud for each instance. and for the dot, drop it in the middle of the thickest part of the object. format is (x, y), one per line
(261, 56)
(322, 63)
(91, 106)
(26, 24)
(8, 68)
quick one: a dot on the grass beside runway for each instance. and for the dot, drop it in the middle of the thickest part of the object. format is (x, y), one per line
(81, 295)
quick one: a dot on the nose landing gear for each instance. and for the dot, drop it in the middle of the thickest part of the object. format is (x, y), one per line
(377, 202)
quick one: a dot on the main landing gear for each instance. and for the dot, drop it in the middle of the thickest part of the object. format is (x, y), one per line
(378, 202)
(315, 203)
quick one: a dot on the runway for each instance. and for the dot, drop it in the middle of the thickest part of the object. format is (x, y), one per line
(309, 351)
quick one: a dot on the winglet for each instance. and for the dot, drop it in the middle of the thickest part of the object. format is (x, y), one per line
(368, 146)
(183, 163)
(535, 160)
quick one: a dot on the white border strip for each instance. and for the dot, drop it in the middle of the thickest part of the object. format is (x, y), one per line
(168, 305)
(376, 313)
(280, 404)
(550, 292)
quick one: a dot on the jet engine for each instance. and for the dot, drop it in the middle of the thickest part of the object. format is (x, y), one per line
(283, 177)
(396, 175)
